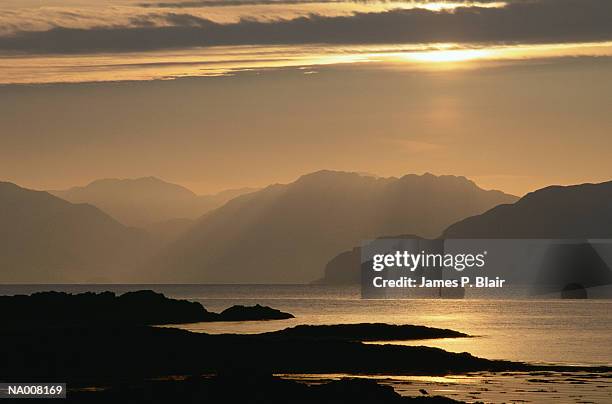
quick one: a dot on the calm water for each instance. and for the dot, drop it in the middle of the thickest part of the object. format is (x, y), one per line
(552, 331)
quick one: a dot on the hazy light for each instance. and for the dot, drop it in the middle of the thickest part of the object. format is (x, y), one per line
(445, 56)
(216, 61)
(443, 5)
(450, 379)
(450, 56)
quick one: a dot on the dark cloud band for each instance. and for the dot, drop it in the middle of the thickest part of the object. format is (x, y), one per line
(233, 3)
(544, 21)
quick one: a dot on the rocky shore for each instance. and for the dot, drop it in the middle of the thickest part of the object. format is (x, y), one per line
(253, 389)
(143, 307)
(121, 359)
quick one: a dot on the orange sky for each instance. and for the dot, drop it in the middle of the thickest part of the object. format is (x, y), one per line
(302, 86)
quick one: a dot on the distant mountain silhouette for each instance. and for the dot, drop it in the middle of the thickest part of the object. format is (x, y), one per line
(46, 239)
(343, 269)
(145, 201)
(556, 212)
(287, 233)
(346, 269)
(574, 212)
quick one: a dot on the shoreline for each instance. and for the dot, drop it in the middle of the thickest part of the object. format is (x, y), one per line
(106, 360)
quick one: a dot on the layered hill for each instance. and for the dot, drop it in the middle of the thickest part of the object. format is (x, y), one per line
(287, 233)
(46, 239)
(345, 268)
(558, 212)
(147, 201)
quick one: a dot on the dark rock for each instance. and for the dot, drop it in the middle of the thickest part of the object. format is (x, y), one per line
(132, 308)
(367, 332)
(109, 354)
(249, 313)
(98, 353)
(142, 307)
(356, 391)
(250, 388)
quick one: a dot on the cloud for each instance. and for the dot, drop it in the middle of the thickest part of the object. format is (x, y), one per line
(233, 3)
(543, 21)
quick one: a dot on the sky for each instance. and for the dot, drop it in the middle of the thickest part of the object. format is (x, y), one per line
(211, 94)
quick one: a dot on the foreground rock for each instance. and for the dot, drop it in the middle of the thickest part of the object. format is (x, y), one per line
(107, 352)
(120, 353)
(143, 307)
(367, 332)
(250, 388)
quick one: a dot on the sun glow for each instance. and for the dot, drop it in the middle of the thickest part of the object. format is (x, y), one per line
(229, 60)
(450, 5)
(446, 56)
(451, 55)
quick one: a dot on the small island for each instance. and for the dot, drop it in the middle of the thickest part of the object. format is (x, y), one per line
(367, 332)
(252, 313)
(143, 307)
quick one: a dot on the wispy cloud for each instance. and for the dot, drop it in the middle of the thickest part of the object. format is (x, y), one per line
(136, 43)
(32, 15)
(543, 21)
(222, 61)
(235, 3)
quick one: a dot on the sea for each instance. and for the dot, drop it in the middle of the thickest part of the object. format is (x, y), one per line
(547, 331)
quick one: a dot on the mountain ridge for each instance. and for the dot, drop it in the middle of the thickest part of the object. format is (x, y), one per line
(585, 212)
(146, 201)
(286, 232)
(46, 239)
